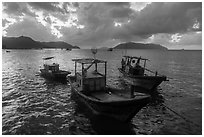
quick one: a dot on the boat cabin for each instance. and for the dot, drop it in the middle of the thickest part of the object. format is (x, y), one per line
(51, 67)
(90, 81)
(133, 65)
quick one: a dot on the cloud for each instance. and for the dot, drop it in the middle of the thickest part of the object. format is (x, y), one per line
(165, 18)
(47, 6)
(191, 38)
(31, 28)
(4, 22)
(187, 40)
(12, 8)
(118, 4)
(87, 24)
(121, 13)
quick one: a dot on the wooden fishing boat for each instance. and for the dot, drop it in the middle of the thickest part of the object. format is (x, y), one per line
(139, 76)
(52, 71)
(89, 88)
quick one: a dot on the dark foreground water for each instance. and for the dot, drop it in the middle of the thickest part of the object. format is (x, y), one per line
(32, 105)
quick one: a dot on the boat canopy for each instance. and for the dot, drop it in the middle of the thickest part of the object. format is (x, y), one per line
(48, 58)
(90, 81)
(88, 61)
(134, 57)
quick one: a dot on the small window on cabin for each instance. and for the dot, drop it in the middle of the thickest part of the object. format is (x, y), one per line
(133, 63)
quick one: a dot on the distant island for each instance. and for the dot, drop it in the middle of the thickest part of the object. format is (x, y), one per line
(106, 48)
(132, 45)
(23, 42)
(103, 48)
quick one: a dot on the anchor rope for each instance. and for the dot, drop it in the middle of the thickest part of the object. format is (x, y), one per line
(177, 115)
(180, 115)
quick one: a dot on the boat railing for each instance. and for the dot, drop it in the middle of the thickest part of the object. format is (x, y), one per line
(154, 72)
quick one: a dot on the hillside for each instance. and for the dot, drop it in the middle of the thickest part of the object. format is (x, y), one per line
(20, 43)
(23, 42)
(58, 44)
(132, 45)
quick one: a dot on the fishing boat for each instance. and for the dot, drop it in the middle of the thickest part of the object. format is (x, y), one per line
(134, 72)
(52, 71)
(88, 86)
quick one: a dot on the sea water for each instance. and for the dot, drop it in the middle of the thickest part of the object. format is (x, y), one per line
(33, 105)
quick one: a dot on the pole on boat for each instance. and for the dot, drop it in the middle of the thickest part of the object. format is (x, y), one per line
(75, 68)
(156, 73)
(94, 51)
(82, 76)
(105, 72)
(132, 91)
(144, 64)
(96, 67)
(82, 68)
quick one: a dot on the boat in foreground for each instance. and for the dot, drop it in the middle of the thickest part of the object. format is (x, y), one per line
(52, 71)
(89, 88)
(139, 76)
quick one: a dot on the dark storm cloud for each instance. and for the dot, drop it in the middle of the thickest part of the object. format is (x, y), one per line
(16, 9)
(76, 4)
(118, 4)
(165, 18)
(121, 13)
(31, 28)
(13, 8)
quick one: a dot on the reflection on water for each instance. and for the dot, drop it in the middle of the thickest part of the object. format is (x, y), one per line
(33, 105)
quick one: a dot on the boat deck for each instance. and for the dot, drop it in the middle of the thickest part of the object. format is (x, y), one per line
(114, 96)
(107, 96)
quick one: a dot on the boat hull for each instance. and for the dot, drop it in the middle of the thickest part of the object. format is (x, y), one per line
(61, 75)
(122, 111)
(146, 82)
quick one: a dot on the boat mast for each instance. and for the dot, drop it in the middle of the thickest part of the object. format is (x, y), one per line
(144, 64)
(82, 67)
(96, 66)
(105, 72)
(75, 68)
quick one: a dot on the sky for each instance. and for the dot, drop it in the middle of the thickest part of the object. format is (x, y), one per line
(175, 25)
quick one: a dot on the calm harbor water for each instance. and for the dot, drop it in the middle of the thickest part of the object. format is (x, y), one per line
(33, 105)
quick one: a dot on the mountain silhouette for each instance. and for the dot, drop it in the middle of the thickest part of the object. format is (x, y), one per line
(23, 42)
(132, 45)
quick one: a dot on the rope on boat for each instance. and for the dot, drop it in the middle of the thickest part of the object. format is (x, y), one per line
(157, 73)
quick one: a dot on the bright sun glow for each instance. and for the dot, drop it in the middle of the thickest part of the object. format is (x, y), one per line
(117, 24)
(175, 38)
(138, 6)
(196, 25)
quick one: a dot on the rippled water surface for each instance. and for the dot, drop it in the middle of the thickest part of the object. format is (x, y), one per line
(33, 105)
